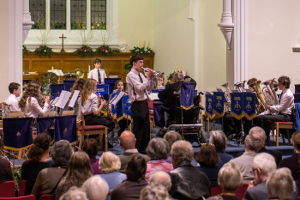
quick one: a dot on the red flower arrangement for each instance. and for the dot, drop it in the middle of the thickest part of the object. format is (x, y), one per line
(104, 50)
(43, 50)
(84, 50)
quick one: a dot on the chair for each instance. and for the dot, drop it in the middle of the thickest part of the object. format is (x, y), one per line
(27, 197)
(284, 125)
(241, 191)
(92, 130)
(47, 197)
(22, 188)
(7, 189)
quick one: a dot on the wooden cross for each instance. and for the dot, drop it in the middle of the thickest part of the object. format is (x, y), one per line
(63, 45)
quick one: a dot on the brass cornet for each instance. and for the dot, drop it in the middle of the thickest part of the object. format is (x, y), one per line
(151, 70)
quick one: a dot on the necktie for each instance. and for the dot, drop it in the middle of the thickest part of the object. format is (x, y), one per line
(280, 96)
(99, 77)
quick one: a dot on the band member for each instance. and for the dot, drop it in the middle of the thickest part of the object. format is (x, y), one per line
(30, 102)
(138, 86)
(97, 73)
(90, 109)
(12, 101)
(284, 108)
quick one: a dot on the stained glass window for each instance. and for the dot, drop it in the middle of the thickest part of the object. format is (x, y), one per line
(37, 10)
(78, 14)
(58, 14)
(98, 14)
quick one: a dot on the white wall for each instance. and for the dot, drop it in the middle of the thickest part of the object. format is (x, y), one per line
(274, 29)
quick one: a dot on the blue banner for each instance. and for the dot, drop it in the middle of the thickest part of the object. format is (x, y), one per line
(120, 110)
(65, 128)
(249, 101)
(237, 105)
(126, 107)
(43, 125)
(187, 95)
(103, 90)
(158, 115)
(218, 104)
(56, 90)
(17, 133)
(209, 106)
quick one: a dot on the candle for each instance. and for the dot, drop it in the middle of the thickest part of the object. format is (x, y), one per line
(149, 44)
(52, 69)
(89, 68)
(144, 43)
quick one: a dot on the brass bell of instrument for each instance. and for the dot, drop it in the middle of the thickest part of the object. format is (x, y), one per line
(79, 73)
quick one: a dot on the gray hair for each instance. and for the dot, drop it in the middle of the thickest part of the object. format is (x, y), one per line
(182, 150)
(74, 193)
(154, 193)
(158, 149)
(61, 152)
(178, 76)
(219, 139)
(259, 131)
(160, 178)
(281, 184)
(96, 188)
(265, 162)
(253, 143)
(230, 177)
(109, 162)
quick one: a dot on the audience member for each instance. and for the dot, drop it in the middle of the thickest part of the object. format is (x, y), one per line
(252, 144)
(219, 139)
(78, 171)
(48, 178)
(275, 153)
(38, 159)
(171, 137)
(280, 184)
(230, 179)
(131, 188)
(208, 158)
(5, 172)
(15, 91)
(110, 165)
(158, 192)
(74, 193)
(158, 150)
(96, 188)
(293, 162)
(160, 178)
(90, 146)
(187, 181)
(128, 141)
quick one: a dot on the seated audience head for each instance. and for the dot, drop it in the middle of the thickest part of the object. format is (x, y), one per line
(219, 139)
(127, 140)
(109, 162)
(78, 85)
(33, 90)
(259, 131)
(61, 152)
(88, 88)
(230, 177)
(182, 151)
(280, 184)
(74, 193)
(90, 146)
(96, 188)
(253, 143)
(263, 165)
(171, 137)
(285, 81)
(136, 168)
(158, 192)
(40, 148)
(14, 88)
(158, 149)
(177, 77)
(296, 141)
(160, 178)
(207, 155)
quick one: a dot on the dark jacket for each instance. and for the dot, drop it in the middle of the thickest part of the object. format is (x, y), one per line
(167, 96)
(188, 182)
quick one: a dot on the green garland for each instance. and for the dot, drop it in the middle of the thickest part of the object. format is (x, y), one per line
(43, 50)
(84, 50)
(141, 51)
(105, 50)
(25, 50)
(127, 66)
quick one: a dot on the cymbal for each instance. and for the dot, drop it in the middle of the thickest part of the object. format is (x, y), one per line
(45, 77)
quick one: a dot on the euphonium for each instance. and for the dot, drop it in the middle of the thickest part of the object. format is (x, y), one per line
(259, 95)
(270, 94)
(227, 95)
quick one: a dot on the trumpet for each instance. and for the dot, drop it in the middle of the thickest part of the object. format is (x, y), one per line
(155, 73)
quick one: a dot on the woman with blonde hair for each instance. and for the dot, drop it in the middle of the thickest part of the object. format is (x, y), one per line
(30, 102)
(90, 108)
(78, 172)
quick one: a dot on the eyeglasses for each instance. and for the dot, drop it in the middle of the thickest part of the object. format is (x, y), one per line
(253, 170)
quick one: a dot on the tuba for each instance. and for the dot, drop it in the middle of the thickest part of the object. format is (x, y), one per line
(227, 95)
(269, 92)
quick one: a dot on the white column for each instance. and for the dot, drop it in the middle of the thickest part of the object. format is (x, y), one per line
(88, 15)
(195, 17)
(226, 24)
(27, 23)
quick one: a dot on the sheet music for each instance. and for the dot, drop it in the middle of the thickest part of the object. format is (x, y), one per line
(208, 93)
(219, 90)
(63, 99)
(234, 91)
(74, 98)
(117, 98)
(154, 96)
(54, 101)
